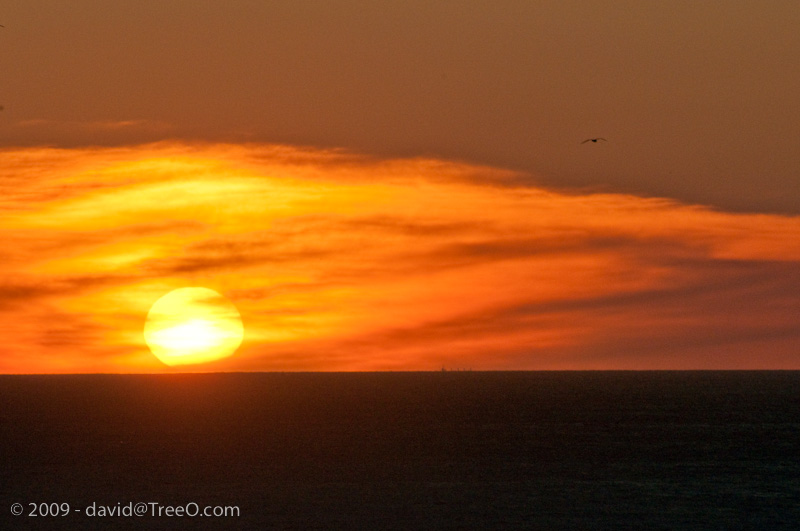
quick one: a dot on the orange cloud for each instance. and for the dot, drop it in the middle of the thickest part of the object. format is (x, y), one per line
(341, 262)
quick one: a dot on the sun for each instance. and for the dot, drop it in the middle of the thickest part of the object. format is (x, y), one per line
(193, 325)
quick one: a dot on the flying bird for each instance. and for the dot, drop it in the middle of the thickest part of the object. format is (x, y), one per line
(594, 140)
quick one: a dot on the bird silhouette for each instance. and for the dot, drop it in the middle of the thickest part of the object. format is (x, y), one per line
(594, 140)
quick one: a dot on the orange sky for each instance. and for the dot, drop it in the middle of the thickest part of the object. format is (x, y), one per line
(698, 99)
(443, 210)
(337, 261)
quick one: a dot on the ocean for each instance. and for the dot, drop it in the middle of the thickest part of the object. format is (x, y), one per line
(417, 450)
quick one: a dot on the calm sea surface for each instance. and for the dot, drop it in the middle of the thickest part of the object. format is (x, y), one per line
(456, 450)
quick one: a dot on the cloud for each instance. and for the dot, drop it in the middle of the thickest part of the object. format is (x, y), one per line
(741, 314)
(26, 290)
(96, 132)
(342, 262)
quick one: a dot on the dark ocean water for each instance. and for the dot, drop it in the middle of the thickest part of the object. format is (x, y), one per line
(464, 450)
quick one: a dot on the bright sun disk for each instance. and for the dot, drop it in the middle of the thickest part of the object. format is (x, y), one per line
(193, 325)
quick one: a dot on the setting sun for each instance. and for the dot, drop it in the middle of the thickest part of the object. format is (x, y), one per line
(193, 325)
(298, 264)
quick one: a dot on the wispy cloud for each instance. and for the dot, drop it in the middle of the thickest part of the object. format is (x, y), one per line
(97, 126)
(340, 262)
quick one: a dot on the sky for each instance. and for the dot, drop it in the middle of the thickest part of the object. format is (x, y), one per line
(403, 185)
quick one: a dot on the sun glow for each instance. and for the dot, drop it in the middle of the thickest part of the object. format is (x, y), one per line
(193, 325)
(342, 262)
